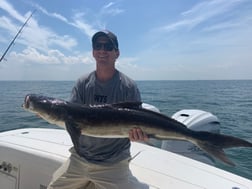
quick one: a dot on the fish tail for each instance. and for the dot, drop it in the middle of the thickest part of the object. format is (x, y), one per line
(214, 143)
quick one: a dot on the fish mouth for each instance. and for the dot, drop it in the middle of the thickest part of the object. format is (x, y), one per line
(26, 104)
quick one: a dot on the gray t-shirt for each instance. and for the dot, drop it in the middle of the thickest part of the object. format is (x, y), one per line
(88, 90)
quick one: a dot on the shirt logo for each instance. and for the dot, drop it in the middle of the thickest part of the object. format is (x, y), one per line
(100, 98)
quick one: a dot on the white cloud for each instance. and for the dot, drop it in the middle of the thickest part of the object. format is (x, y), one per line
(83, 26)
(108, 5)
(64, 41)
(9, 8)
(31, 56)
(44, 38)
(54, 15)
(111, 9)
(6, 23)
(30, 64)
(78, 20)
(37, 36)
(127, 62)
(201, 13)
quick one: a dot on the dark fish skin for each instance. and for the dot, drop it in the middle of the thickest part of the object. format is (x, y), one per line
(116, 120)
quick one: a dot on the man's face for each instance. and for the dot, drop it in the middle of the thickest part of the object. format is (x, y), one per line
(104, 52)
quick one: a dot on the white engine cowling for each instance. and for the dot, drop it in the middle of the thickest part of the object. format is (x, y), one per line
(197, 120)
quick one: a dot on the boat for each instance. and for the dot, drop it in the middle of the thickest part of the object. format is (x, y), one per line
(29, 157)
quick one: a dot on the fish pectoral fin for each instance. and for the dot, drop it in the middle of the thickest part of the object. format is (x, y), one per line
(72, 124)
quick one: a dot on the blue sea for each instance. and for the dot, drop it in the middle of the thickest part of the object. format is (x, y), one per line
(229, 100)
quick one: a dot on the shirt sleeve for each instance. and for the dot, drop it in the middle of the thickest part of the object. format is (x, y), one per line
(77, 93)
(135, 94)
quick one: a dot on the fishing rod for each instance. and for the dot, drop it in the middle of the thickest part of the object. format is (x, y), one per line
(12, 42)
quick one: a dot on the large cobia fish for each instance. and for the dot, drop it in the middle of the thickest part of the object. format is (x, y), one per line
(115, 120)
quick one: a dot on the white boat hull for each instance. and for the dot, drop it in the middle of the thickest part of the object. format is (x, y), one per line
(28, 158)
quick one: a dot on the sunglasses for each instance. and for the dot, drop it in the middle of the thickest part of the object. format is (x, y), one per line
(104, 46)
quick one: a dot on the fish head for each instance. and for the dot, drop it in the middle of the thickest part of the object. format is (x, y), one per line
(38, 103)
(45, 107)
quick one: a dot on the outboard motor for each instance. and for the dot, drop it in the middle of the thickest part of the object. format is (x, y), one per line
(197, 120)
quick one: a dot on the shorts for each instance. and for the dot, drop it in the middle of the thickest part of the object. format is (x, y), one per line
(76, 173)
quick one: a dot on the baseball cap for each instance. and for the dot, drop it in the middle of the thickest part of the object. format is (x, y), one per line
(112, 37)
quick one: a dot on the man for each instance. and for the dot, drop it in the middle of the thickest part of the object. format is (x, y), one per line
(101, 163)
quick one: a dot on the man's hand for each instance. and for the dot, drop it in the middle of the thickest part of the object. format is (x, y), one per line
(137, 135)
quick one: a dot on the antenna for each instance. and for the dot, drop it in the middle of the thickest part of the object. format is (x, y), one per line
(19, 31)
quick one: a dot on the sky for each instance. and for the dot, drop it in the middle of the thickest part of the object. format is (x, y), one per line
(158, 40)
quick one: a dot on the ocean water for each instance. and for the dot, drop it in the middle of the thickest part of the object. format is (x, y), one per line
(230, 101)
